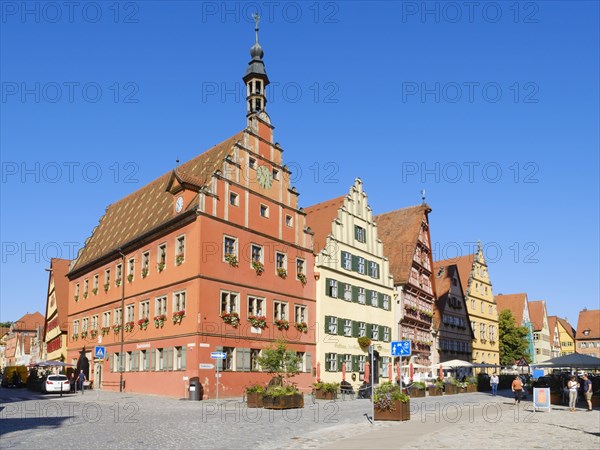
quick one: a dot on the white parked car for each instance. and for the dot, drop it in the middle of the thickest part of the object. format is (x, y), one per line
(56, 383)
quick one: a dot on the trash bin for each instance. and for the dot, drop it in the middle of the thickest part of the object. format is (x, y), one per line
(196, 389)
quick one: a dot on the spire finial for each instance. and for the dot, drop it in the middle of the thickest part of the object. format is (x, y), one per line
(256, 18)
(423, 198)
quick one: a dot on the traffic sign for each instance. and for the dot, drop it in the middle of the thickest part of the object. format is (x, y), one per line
(99, 352)
(401, 348)
(218, 355)
(206, 366)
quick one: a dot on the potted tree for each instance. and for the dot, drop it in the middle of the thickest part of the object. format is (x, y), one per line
(471, 384)
(390, 403)
(282, 364)
(254, 395)
(417, 389)
(436, 389)
(451, 387)
(325, 391)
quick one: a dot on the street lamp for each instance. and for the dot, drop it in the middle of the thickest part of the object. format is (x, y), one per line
(121, 358)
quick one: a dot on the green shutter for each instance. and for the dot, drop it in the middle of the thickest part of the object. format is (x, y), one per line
(328, 287)
(354, 329)
(389, 330)
(327, 358)
(369, 330)
(355, 363)
(327, 322)
(340, 326)
(355, 232)
(379, 300)
(340, 361)
(381, 329)
(355, 263)
(355, 294)
(343, 259)
(368, 266)
(341, 287)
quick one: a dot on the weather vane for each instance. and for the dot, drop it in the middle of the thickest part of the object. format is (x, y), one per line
(423, 195)
(256, 18)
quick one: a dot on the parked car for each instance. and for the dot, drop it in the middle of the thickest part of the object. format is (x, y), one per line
(56, 383)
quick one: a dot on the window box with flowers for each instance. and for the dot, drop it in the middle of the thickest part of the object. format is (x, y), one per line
(159, 320)
(118, 282)
(130, 277)
(94, 333)
(160, 266)
(85, 295)
(390, 403)
(84, 334)
(144, 273)
(232, 319)
(282, 324)
(116, 328)
(129, 326)
(143, 323)
(178, 316)
(302, 278)
(302, 327)
(74, 336)
(105, 330)
(258, 321)
(282, 272)
(258, 267)
(77, 298)
(231, 259)
(179, 259)
(106, 286)
(95, 291)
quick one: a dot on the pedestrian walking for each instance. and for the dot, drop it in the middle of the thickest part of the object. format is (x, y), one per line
(517, 388)
(80, 380)
(72, 383)
(494, 381)
(587, 391)
(573, 386)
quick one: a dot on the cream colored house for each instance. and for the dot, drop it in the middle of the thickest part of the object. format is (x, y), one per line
(354, 288)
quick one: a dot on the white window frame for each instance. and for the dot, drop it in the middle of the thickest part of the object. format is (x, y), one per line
(106, 319)
(300, 264)
(347, 327)
(362, 296)
(289, 220)
(130, 312)
(261, 253)
(374, 298)
(234, 199)
(361, 265)
(386, 334)
(226, 246)
(146, 262)
(107, 278)
(131, 268)
(76, 327)
(161, 254)
(145, 309)
(333, 287)
(374, 269)
(282, 260)
(300, 313)
(118, 274)
(118, 316)
(96, 281)
(231, 300)
(362, 329)
(179, 300)
(347, 261)
(256, 305)
(280, 310)
(180, 247)
(264, 211)
(160, 305)
(348, 292)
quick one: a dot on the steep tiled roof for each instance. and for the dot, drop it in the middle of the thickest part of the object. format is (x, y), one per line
(552, 323)
(588, 320)
(514, 302)
(464, 265)
(149, 206)
(399, 231)
(567, 326)
(442, 287)
(319, 218)
(60, 268)
(29, 322)
(536, 313)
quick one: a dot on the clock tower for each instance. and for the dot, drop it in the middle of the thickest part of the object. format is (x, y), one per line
(256, 78)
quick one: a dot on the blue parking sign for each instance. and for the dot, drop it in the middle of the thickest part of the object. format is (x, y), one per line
(401, 348)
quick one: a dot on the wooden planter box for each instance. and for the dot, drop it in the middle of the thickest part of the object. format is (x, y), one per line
(435, 391)
(325, 395)
(472, 388)
(254, 400)
(283, 401)
(401, 412)
(450, 389)
(414, 392)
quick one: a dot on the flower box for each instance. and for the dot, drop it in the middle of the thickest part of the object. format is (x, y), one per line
(143, 323)
(302, 327)
(258, 267)
(302, 278)
(283, 401)
(258, 321)
(118, 282)
(435, 391)
(179, 259)
(160, 266)
(159, 321)
(321, 394)
(129, 326)
(105, 331)
(416, 392)
(450, 389)
(95, 291)
(471, 388)
(282, 272)
(401, 411)
(178, 316)
(232, 319)
(106, 286)
(282, 324)
(231, 259)
(254, 399)
(144, 273)
(130, 277)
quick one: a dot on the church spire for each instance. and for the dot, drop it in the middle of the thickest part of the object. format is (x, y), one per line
(256, 78)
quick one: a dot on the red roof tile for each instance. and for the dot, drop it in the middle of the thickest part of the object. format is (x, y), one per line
(399, 231)
(536, 313)
(464, 264)
(513, 302)
(60, 268)
(29, 322)
(588, 320)
(567, 326)
(150, 206)
(319, 218)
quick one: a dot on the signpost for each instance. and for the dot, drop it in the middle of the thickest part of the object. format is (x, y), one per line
(206, 366)
(99, 352)
(401, 348)
(217, 355)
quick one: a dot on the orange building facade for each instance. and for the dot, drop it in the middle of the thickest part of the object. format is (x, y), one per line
(212, 256)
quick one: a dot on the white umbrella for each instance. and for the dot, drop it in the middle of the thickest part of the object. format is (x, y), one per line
(574, 360)
(454, 363)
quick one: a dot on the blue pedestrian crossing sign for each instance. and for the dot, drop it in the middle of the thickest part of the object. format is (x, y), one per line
(401, 348)
(99, 352)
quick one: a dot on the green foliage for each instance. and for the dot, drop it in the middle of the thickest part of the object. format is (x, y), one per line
(5, 324)
(386, 394)
(279, 391)
(279, 361)
(472, 380)
(327, 387)
(256, 387)
(364, 341)
(513, 339)
(418, 385)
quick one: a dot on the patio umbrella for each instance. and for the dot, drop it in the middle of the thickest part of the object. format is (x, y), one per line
(441, 372)
(343, 371)
(411, 371)
(318, 371)
(390, 372)
(574, 360)
(367, 371)
(398, 372)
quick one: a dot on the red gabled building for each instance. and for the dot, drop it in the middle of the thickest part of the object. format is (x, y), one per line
(208, 257)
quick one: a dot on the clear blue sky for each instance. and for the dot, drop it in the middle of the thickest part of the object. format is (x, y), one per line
(494, 111)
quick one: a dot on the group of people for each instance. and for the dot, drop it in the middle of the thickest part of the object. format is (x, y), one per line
(573, 387)
(77, 383)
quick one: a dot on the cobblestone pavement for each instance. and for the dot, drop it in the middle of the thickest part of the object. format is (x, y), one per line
(112, 420)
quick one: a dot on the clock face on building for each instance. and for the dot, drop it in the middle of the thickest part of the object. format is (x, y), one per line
(179, 204)
(264, 177)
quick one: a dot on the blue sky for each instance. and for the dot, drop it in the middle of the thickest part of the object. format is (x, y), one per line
(493, 111)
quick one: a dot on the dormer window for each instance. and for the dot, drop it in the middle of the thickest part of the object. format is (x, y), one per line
(586, 332)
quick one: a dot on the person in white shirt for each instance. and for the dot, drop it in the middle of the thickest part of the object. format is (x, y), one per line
(573, 385)
(494, 380)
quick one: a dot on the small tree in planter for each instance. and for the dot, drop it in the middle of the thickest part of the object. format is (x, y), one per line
(254, 395)
(282, 364)
(471, 384)
(417, 389)
(436, 389)
(391, 403)
(326, 391)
